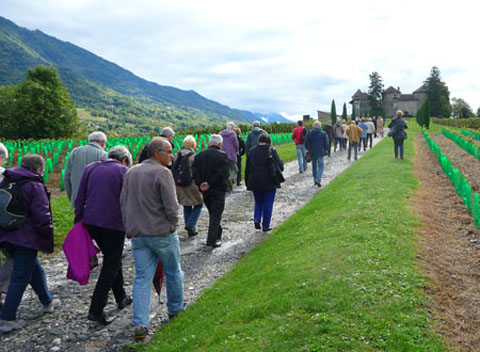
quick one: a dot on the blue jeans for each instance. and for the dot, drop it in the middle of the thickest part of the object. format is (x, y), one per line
(398, 147)
(339, 142)
(302, 157)
(264, 206)
(353, 145)
(146, 252)
(26, 270)
(317, 174)
(191, 214)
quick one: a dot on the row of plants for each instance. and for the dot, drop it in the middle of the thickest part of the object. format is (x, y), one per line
(468, 146)
(473, 122)
(460, 182)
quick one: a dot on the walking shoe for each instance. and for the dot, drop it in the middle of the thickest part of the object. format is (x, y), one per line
(100, 318)
(141, 333)
(191, 231)
(257, 225)
(10, 325)
(126, 301)
(217, 243)
(266, 229)
(49, 308)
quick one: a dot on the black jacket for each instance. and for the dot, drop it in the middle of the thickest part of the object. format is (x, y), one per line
(329, 131)
(241, 146)
(399, 126)
(257, 172)
(211, 165)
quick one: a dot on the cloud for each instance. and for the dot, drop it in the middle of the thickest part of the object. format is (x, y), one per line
(269, 56)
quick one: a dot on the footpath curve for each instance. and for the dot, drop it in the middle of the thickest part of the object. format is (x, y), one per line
(68, 329)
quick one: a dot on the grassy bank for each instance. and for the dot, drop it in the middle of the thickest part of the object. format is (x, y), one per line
(339, 275)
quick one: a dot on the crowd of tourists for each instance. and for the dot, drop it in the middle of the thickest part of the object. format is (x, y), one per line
(114, 200)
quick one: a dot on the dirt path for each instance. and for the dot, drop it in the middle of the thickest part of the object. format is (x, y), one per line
(68, 329)
(449, 247)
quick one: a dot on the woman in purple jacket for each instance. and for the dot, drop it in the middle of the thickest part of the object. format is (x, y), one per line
(36, 234)
(98, 206)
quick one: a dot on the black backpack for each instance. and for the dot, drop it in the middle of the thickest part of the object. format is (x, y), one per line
(181, 170)
(12, 214)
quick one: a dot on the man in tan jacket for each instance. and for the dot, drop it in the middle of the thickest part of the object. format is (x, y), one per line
(353, 132)
(150, 215)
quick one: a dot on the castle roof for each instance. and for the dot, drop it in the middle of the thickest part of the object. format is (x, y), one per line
(422, 89)
(391, 90)
(359, 95)
(407, 97)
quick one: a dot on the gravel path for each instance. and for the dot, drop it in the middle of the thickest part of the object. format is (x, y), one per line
(67, 329)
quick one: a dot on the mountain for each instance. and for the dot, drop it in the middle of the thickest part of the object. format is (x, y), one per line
(108, 95)
(271, 117)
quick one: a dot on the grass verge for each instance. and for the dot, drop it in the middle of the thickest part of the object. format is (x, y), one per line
(339, 275)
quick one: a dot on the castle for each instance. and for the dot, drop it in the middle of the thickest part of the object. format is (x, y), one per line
(392, 100)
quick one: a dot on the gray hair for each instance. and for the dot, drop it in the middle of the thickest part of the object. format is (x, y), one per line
(230, 125)
(399, 113)
(3, 151)
(317, 124)
(167, 131)
(119, 152)
(256, 123)
(215, 139)
(33, 162)
(97, 136)
(155, 144)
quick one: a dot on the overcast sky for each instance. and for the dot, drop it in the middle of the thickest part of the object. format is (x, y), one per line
(267, 57)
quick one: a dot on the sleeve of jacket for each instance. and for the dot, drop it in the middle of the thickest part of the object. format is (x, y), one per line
(81, 198)
(196, 170)
(326, 143)
(406, 125)
(308, 141)
(169, 197)
(391, 124)
(247, 170)
(248, 144)
(277, 158)
(68, 172)
(39, 211)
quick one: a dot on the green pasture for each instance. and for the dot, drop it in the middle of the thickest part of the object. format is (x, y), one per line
(339, 275)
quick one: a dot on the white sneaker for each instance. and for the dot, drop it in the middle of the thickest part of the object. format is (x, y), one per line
(51, 307)
(10, 325)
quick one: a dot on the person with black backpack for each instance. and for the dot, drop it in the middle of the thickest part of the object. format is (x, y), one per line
(188, 193)
(34, 233)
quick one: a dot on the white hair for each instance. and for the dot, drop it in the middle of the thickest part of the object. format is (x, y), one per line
(119, 152)
(3, 151)
(97, 136)
(167, 131)
(317, 124)
(215, 139)
(230, 125)
(256, 123)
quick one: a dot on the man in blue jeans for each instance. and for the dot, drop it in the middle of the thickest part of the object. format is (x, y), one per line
(298, 135)
(317, 143)
(150, 216)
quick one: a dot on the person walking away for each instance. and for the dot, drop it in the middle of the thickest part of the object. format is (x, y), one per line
(241, 152)
(353, 132)
(370, 131)
(380, 129)
(363, 137)
(7, 266)
(298, 135)
(338, 135)
(97, 205)
(188, 195)
(210, 172)
(259, 180)
(252, 138)
(150, 216)
(168, 133)
(36, 234)
(81, 157)
(345, 136)
(331, 136)
(231, 147)
(317, 143)
(397, 130)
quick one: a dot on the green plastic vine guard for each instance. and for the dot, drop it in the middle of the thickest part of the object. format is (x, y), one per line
(476, 215)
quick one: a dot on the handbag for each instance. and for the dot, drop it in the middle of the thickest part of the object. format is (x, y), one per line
(308, 156)
(275, 170)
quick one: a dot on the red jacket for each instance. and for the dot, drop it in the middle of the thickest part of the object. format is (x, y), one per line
(297, 135)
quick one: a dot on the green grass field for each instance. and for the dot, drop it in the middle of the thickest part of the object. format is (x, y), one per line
(339, 275)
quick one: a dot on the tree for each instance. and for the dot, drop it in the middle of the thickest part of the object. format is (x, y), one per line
(344, 112)
(438, 94)
(423, 115)
(39, 107)
(333, 113)
(478, 112)
(461, 109)
(375, 94)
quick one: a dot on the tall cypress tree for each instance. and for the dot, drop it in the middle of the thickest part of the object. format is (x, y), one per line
(375, 94)
(438, 94)
(344, 112)
(333, 113)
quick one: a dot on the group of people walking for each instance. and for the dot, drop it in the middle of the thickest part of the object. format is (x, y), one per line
(115, 200)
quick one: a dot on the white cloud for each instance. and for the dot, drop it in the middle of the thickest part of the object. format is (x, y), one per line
(268, 56)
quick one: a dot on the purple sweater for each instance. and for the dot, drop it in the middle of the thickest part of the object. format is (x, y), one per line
(230, 144)
(98, 203)
(37, 230)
